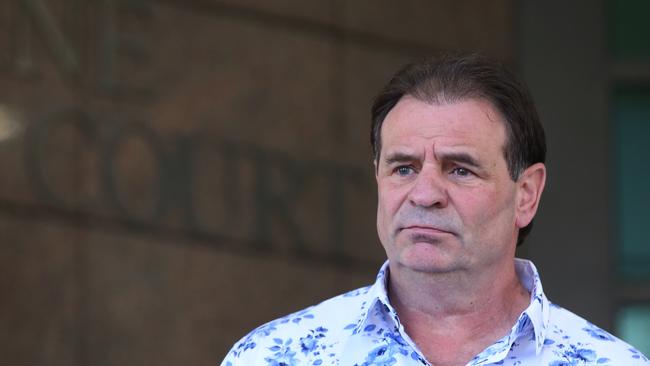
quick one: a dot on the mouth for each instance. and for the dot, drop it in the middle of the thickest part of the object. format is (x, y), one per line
(425, 234)
(424, 230)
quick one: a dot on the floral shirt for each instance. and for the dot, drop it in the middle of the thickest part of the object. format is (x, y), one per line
(362, 328)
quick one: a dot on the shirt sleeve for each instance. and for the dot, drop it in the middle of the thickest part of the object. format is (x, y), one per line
(244, 353)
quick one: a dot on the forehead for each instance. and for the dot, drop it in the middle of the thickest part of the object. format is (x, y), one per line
(471, 123)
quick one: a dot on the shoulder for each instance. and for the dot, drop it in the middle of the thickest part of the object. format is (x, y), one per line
(571, 338)
(312, 333)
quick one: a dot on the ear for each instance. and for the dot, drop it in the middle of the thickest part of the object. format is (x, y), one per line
(529, 191)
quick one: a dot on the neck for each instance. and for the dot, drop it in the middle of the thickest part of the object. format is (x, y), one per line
(454, 293)
(461, 312)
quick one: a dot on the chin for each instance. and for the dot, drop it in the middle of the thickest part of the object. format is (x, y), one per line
(427, 258)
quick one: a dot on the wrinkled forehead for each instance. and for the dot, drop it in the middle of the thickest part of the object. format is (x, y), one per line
(473, 122)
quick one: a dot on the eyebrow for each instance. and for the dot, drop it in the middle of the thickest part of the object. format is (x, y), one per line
(458, 157)
(462, 158)
(399, 157)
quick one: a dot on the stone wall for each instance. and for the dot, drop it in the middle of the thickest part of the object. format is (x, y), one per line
(176, 173)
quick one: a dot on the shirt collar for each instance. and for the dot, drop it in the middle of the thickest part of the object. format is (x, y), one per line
(537, 311)
(376, 296)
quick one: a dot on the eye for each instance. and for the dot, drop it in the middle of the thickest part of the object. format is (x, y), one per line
(461, 172)
(404, 170)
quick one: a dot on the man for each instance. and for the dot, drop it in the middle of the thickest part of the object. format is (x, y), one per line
(459, 163)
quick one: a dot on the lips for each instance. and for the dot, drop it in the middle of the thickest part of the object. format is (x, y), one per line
(425, 230)
(424, 234)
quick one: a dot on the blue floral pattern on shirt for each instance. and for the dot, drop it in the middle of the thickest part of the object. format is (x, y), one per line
(361, 328)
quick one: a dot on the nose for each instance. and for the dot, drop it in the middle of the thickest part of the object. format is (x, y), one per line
(429, 189)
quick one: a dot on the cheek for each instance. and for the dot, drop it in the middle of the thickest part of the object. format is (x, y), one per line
(389, 203)
(485, 206)
(383, 209)
(388, 198)
(383, 222)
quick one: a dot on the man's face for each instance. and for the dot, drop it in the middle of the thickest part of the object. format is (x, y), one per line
(446, 199)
